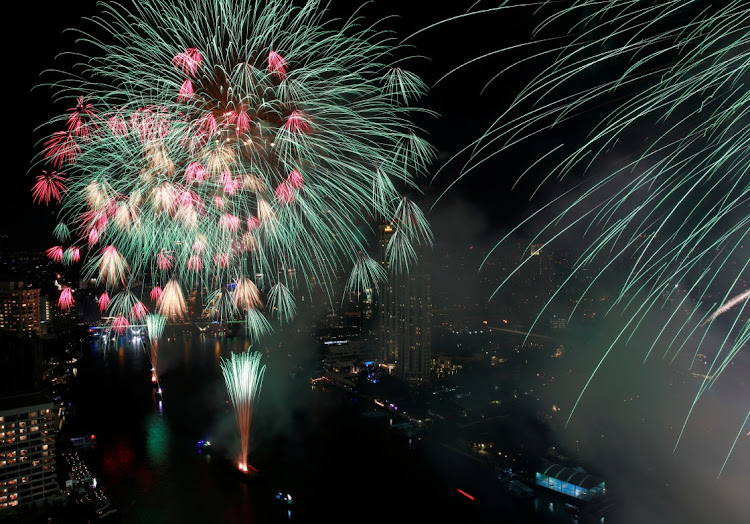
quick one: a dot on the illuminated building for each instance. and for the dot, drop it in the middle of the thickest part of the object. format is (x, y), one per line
(349, 354)
(19, 308)
(574, 482)
(27, 450)
(45, 314)
(404, 309)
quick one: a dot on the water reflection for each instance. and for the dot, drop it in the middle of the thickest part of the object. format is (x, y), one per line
(312, 443)
(157, 438)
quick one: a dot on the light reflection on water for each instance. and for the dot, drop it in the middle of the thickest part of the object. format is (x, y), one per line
(147, 456)
(313, 444)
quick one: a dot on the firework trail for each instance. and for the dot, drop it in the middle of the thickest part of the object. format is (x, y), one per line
(665, 83)
(727, 306)
(210, 142)
(154, 329)
(243, 375)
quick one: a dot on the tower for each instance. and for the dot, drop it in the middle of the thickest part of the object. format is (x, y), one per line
(404, 309)
(19, 308)
(27, 450)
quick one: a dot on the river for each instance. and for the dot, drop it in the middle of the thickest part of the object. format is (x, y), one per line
(313, 443)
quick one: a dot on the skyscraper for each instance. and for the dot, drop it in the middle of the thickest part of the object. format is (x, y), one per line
(404, 309)
(27, 450)
(19, 308)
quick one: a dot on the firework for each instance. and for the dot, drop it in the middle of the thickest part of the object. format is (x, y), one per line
(154, 329)
(676, 209)
(261, 147)
(66, 299)
(243, 375)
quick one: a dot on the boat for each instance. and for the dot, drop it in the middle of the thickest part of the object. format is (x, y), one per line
(285, 498)
(251, 475)
(104, 509)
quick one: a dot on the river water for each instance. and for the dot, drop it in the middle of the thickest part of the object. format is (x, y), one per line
(313, 443)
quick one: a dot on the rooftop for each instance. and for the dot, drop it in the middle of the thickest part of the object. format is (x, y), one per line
(576, 476)
(18, 403)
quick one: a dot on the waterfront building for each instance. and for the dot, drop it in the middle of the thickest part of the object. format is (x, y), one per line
(348, 354)
(19, 308)
(571, 481)
(404, 310)
(27, 451)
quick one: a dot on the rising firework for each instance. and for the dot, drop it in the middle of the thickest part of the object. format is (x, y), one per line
(208, 143)
(664, 84)
(154, 329)
(243, 375)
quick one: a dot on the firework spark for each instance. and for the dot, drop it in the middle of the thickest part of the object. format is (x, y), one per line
(676, 209)
(66, 299)
(256, 150)
(243, 376)
(154, 329)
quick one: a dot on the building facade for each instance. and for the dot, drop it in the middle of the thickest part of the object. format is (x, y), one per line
(19, 308)
(27, 450)
(404, 310)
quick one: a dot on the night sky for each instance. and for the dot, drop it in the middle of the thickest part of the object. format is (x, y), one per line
(480, 208)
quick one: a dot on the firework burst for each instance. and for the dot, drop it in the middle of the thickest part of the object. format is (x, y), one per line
(243, 376)
(208, 142)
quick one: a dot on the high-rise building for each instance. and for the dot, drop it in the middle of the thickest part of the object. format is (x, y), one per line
(27, 450)
(404, 309)
(19, 308)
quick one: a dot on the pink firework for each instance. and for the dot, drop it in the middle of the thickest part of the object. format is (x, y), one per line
(188, 61)
(156, 292)
(195, 263)
(186, 91)
(199, 244)
(80, 121)
(253, 223)
(66, 299)
(138, 311)
(222, 260)
(151, 124)
(285, 193)
(55, 253)
(117, 125)
(295, 179)
(103, 301)
(277, 65)
(230, 185)
(48, 187)
(243, 123)
(164, 260)
(61, 148)
(207, 124)
(229, 222)
(226, 180)
(120, 324)
(297, 122)
(73, 254)
(93, 237)
(195, 173)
